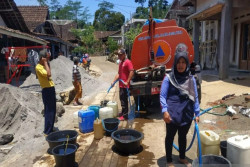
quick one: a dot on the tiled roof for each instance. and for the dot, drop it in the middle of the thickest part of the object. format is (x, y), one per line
(18, 34)
(66, 34)
(34, 15)
(11, 16)
(103, 34)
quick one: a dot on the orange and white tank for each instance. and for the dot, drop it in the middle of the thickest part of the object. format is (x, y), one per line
(161, 38)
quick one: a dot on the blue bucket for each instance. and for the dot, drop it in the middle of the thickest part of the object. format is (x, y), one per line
(86, 120)
(95, 109)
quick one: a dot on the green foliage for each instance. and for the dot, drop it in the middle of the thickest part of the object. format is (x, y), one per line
(88, 43)
(106, 19)
(141, 13)
(54, 6)
(140, 2)
(112, 45)
(42, 2)
(131, 34)
(159, 8)
(72, 10)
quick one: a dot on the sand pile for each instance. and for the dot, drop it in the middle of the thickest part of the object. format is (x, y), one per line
(20, 114)
(61, 69)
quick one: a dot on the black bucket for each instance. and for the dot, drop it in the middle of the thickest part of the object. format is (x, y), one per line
(110, 125)
(223, 148)
(127, 141)
(60, 137)
(212, 161)
(65, 157)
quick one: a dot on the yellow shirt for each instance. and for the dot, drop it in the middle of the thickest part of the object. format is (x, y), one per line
(41, 73)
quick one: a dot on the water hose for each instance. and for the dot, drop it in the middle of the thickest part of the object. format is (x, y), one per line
(196, 131)
(128, 94)
(218, 114)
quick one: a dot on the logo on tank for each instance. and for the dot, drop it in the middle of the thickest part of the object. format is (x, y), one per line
(162, 52)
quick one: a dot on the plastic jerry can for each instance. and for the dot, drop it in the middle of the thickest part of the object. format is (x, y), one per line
(113, 105)
(238, 150)
(210, 142)
(86, 120)
(98, 129)
(105, 112)
(96, 109)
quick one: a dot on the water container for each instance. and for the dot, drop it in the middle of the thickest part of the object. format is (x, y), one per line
(95, 108)
(238, 150)
(113, 105)
(106, 112)
(210, 142)
(98, 129)
(86, 120)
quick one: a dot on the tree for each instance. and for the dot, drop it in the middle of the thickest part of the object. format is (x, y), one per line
(159, 8)
(88, 43)
(54, 7)
(106, 19)
(42, 2)
(112, 45)
(84, 16)
(140, 2)
(130, 37)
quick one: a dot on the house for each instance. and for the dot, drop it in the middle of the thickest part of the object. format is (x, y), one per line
(104, 35)
(180, 14)
(132, 23)
(13, 32)
(223, 27)
(37, 20)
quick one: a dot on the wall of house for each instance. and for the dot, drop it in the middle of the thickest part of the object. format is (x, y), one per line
(239, 16)
(2, 22)
(209, 43)
(203, 4)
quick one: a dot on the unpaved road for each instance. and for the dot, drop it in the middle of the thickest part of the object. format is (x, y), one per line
(151, 124)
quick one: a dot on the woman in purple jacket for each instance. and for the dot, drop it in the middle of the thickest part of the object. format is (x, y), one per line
(179, 103)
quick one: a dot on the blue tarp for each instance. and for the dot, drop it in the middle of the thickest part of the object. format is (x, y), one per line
(156, 20)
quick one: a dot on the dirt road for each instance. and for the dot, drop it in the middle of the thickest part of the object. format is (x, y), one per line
(150, 124)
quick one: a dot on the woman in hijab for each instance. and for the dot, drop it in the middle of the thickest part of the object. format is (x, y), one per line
(179, 103)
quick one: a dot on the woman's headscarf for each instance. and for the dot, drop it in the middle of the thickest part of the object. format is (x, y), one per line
(182, 81)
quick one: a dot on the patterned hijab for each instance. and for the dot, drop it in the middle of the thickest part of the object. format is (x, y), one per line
(182, 81)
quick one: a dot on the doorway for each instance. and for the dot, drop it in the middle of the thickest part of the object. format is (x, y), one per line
(245, 47)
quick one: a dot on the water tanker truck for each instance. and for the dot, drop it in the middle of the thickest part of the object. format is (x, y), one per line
(153, 56)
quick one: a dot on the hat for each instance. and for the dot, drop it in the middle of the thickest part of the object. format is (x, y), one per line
(42, 53)
(121, 51)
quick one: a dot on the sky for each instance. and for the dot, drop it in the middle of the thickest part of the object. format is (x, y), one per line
(126, 7)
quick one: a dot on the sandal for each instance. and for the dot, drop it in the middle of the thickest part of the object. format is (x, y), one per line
(75, 104)
(185, 162)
